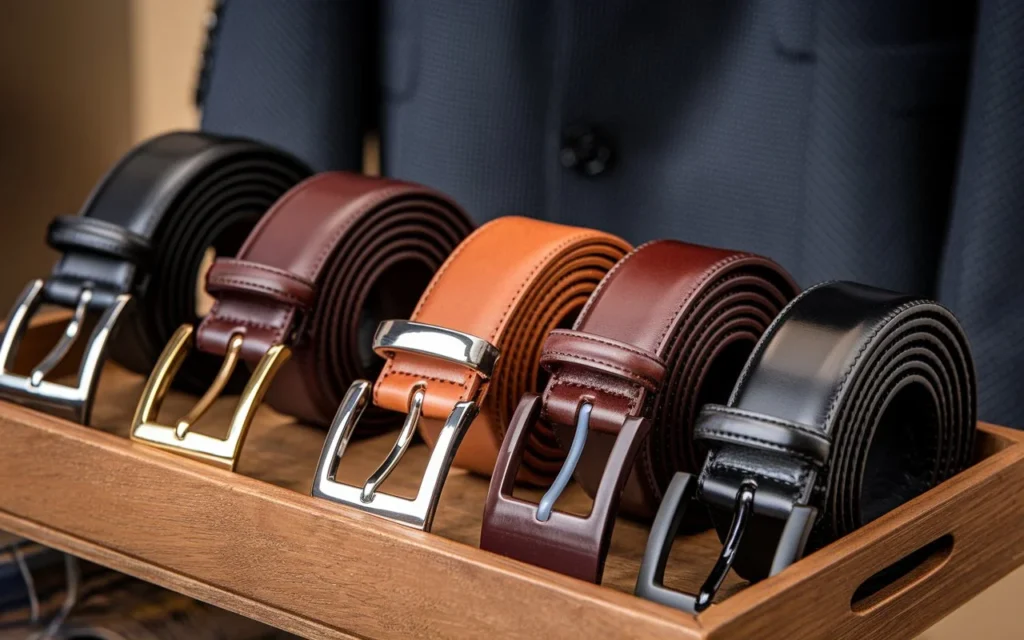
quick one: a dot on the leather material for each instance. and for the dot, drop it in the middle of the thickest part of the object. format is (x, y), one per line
(722, 424)
(510, 283)
(618, 359)
(667, 330)
(146, 227)
(278, 285)
(70, 233)
(335, 255)
(700, 310)
(887, 379)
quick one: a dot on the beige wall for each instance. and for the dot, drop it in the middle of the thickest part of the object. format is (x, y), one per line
(80, 82)
(83, 79)
(167, 39)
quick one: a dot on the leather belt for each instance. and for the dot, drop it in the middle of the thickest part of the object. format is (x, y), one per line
(855, 401)
(502, 290)
(669, 329)
(333, 256)
(142, 237)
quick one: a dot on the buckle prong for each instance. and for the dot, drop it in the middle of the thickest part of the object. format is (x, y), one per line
(216, 388)
(579, 439)
(401, 445)
(180, 438)
(67, 339)
(741, 516)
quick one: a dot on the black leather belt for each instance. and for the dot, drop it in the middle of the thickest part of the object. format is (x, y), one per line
(142, 237)
(855, 401)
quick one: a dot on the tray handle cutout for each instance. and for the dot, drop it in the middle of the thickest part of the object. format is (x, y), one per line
(902, 575)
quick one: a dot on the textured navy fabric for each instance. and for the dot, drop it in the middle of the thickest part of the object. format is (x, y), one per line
(983, 268)
(834, 135)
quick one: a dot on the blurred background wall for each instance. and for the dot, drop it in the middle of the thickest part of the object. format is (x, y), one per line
(80, 82)
(83, 80)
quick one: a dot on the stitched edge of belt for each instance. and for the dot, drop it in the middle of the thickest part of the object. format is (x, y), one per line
(667, 330)
(143, 233)
(510, 283)
(856, 400)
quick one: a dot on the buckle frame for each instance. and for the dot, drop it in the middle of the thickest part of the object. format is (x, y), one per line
(417, 512)
(681, 491)
(34, 391)
(410, 337)
(221, 452)
(569, 544)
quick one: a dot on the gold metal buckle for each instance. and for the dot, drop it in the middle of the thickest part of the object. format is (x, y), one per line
(180, 438)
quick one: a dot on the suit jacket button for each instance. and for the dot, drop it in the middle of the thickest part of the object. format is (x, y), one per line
(586, 150)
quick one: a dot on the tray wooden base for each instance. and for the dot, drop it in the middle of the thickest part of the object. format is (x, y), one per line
(256, 543)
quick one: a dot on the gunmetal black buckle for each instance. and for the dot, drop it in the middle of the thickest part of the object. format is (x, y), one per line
(650, 583)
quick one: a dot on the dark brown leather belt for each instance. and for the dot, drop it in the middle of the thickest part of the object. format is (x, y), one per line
(335, 255)
(135, 254)
(855, 401)
(667, 330)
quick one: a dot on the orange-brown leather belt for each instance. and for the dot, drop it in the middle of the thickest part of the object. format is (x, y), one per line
(458, 367)
(510, 283)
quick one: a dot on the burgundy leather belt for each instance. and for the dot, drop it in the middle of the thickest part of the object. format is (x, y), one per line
(135, 254)
(666, 331)
(334, 256)
(855, 400)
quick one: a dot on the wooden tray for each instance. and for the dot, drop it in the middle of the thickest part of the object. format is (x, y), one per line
(256, 543)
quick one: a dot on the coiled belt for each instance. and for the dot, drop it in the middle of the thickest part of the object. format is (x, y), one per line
(333, 254)
(503, 290)
(141, 237)
(855, 401)
(669, 329)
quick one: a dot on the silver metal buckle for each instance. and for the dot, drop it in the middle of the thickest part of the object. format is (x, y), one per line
(410, 337)
(34, 391)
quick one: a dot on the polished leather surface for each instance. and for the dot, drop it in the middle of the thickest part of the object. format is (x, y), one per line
(261, 281)
(700, 310)
(510, 283)
(68, 233)
(667, 330)
(146, 227)
(335, 255)
(887, 379)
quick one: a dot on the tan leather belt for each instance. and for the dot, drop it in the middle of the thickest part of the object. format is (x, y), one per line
(504, 288)
(668, 330)
(335, 254)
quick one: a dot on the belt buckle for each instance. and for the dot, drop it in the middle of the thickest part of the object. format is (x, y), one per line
(34, 391)
(410, 337)
(221, 452)
(507, 519)
(681, 491)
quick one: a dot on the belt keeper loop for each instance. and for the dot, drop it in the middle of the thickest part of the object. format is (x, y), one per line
(617, 359)
(231, 275)
(733, 426)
